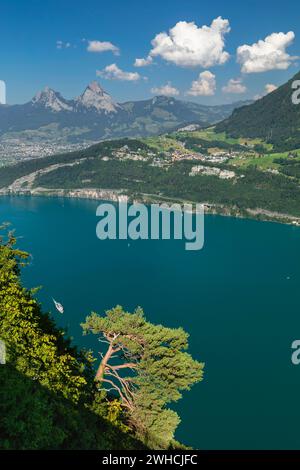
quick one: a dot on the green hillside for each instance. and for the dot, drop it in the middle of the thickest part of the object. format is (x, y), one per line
(50, 394)
(261, 184)
(47, 396)
(273, 118)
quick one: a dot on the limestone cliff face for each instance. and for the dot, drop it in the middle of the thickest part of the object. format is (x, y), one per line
(89, 193)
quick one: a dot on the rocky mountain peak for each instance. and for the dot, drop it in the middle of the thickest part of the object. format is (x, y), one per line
(49, 98)
(94, 96)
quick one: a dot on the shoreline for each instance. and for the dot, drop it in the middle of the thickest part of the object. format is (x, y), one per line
(121, 195)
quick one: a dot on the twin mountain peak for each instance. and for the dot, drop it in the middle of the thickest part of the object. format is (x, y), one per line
(93, 98)
(96, 99)
(94, 115)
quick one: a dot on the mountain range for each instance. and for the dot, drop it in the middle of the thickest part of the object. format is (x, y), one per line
(94, 115)
(274, 118)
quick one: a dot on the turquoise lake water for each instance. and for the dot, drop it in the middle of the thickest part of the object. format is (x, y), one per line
(239, 299)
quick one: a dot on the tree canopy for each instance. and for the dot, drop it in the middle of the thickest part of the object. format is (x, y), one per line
(48, 399)
(147, 365)
(48, 395)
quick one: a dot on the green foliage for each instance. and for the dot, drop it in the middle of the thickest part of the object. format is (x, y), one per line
(11, 173)
(33, 345)
(290, 166)
(251, 189)
(274, 118)
(32, 417)
(256, 188)
(201, 145)
(48, 399)
(156, 365)
(48, 396)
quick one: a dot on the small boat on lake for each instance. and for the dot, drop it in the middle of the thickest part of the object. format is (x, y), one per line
(58, 306)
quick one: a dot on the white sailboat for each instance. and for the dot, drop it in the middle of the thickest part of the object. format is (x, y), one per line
(58, 306)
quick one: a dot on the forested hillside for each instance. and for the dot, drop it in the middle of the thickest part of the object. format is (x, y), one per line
(50, 394)
(48, 399)
(273, 118)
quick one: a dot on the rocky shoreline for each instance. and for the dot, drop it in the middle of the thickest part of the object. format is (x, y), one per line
(120, 195)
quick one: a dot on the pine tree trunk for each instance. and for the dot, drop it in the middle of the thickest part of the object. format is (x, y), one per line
(103, 363)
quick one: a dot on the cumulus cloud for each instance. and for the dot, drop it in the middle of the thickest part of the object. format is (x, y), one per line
(165, 90)
(188, 45)
(205, 85)
(62, 45)
(267, 54)
(102, 46)
(234, 86)
(270, 87)
(143, 62)
(113, 72)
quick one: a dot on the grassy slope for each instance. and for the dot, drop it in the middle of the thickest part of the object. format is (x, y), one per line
(274, 118)
(253, 187)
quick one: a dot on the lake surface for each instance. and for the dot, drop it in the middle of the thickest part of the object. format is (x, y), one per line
(238, 298)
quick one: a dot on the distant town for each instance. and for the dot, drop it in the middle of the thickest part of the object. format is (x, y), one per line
(14, 150)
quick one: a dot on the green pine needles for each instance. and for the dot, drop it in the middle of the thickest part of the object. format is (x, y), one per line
(147, 366)
(50, 397)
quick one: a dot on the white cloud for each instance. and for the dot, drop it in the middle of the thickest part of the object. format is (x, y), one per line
(165, 90)
(267, 54)
(143, 62)
(234, 86)
(103, 46)
(270, 87)
(62, 45)
(205, 85)
(188, 45)
(113, 72)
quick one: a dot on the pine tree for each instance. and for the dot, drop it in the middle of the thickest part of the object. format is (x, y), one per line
(147, 366)
(48, 398)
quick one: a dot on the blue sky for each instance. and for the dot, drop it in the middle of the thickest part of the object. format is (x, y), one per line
(32, 58)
